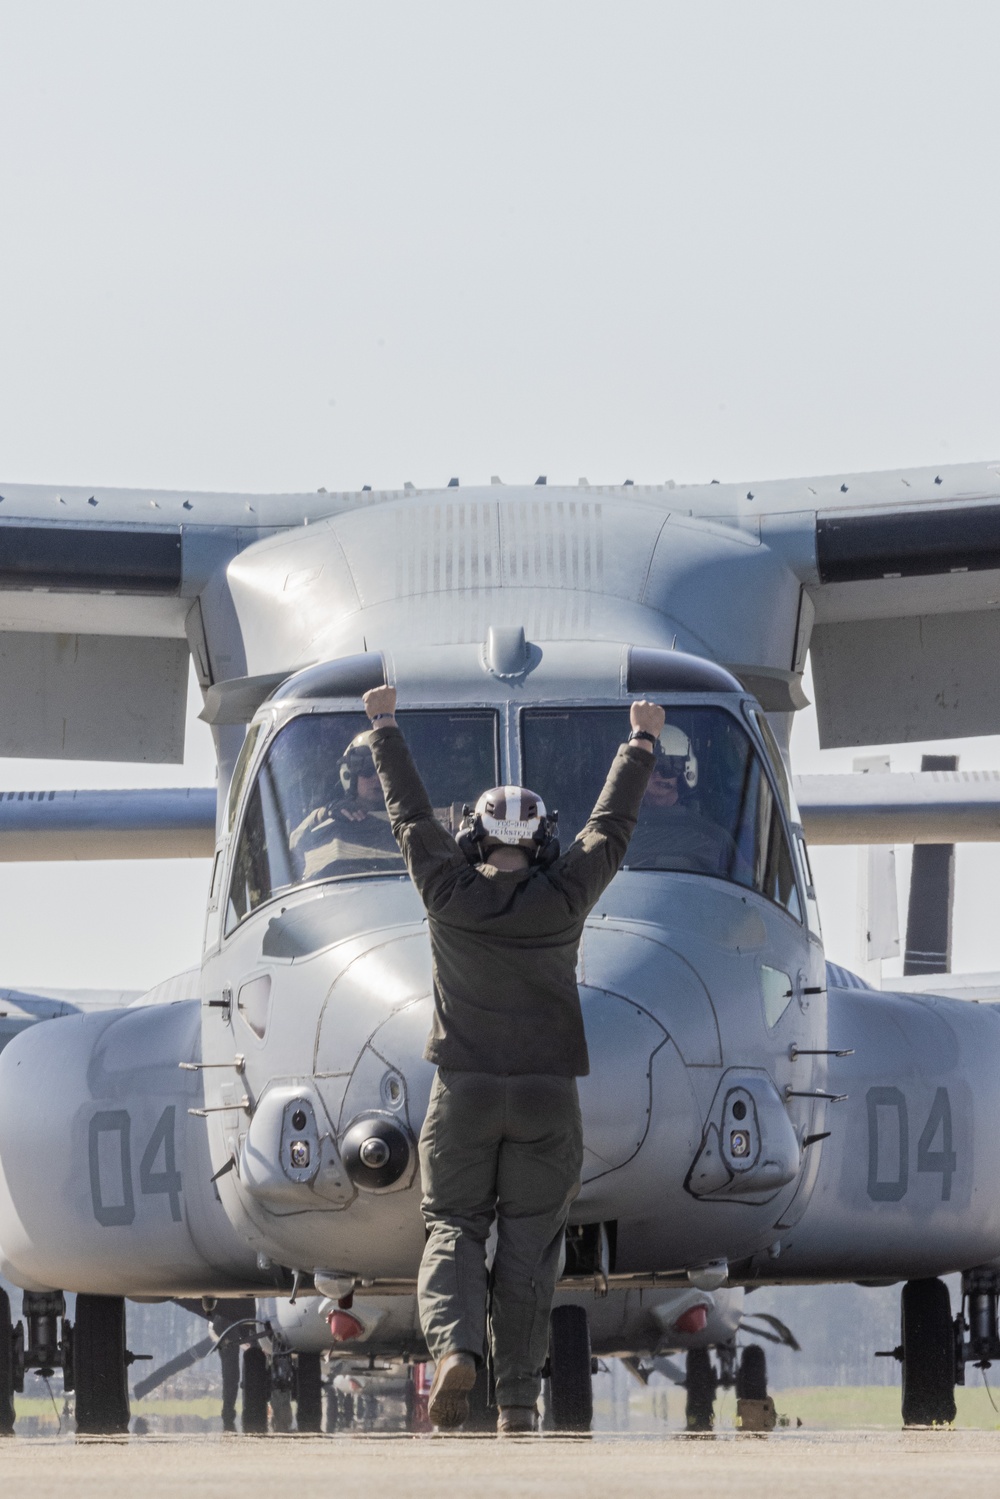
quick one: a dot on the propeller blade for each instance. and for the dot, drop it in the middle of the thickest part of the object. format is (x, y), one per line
(173, 1366)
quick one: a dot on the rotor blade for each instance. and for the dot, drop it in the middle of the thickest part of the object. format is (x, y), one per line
(784, 1333)
(901, 806)
(167, 822)
(636, 1368)
(173, 1366)
(932, 896)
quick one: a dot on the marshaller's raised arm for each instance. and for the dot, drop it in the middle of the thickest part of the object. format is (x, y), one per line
(596, 856)
(427, 846)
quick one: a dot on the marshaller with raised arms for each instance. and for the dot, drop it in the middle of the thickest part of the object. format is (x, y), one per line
(502, 1138)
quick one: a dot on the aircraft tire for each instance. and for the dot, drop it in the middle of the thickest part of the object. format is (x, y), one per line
(701, 1383)
(6, 1368)
(100, 1372)
(308, 1393)
(570, 1388)
(256, 1392)
(928, 1341)
(751, 1376)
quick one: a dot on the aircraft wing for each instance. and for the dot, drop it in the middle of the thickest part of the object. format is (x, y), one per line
(900, 606)
(104, 595)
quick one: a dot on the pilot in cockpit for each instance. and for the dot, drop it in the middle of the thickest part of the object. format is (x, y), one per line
(673, 832)
(353, 829)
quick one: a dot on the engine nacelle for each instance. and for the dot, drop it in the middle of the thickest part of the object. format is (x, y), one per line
(105, 1179)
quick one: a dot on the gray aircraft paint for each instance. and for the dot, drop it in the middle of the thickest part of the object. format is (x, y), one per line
(319, 998)
(621, 1322)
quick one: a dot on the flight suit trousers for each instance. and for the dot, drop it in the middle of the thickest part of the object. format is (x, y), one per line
(507, 1149)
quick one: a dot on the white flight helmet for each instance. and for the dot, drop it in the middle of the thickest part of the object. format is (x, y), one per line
(512, 815)
(673, 752)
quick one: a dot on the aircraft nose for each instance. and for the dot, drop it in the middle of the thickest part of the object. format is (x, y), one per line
(643, 966)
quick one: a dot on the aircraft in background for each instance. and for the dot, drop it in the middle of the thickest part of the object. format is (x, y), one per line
(248, 1129)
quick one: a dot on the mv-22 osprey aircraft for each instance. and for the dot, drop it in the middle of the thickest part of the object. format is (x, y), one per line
(248, 1129)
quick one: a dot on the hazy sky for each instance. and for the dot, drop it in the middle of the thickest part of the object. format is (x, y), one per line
(273, 246)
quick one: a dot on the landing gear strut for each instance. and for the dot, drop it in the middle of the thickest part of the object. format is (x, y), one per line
(980, 1292)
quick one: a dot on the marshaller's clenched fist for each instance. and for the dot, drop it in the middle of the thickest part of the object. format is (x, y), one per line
(647, 716)
(383, 700)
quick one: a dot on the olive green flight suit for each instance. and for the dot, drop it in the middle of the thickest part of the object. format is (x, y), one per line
(502, 1139)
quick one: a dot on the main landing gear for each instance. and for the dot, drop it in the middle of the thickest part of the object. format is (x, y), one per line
(569, 1394)
(100, 1362)
(928, 1354)
(9, 1362)
(936, 1347)
(90, 1352)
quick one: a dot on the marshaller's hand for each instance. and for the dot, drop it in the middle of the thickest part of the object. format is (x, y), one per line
(380, 700)
(647, 716)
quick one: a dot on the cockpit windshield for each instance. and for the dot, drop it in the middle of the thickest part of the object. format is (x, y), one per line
(316, 810)
(709, 808)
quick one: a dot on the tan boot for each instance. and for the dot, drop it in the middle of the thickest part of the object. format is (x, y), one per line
(517, 1420)
(448, 1403)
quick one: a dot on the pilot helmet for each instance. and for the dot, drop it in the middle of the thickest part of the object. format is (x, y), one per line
(674, 756)
(356, 761)
(510, 815)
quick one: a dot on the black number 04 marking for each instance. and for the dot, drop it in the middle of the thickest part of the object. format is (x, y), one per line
(157, 1170)
(888, 1126)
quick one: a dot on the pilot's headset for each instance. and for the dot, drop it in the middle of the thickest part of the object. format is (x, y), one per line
(356, 760)
(675, 756)
(512, 815)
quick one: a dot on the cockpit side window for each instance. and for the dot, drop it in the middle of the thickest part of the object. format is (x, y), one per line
(316, 810)
(709, 808)
(777, 763)
(794, 816)
(240, 772)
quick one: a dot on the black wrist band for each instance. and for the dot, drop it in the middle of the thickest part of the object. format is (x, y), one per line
(642, 734)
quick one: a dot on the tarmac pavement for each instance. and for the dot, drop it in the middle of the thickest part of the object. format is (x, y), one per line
(829, 1465)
